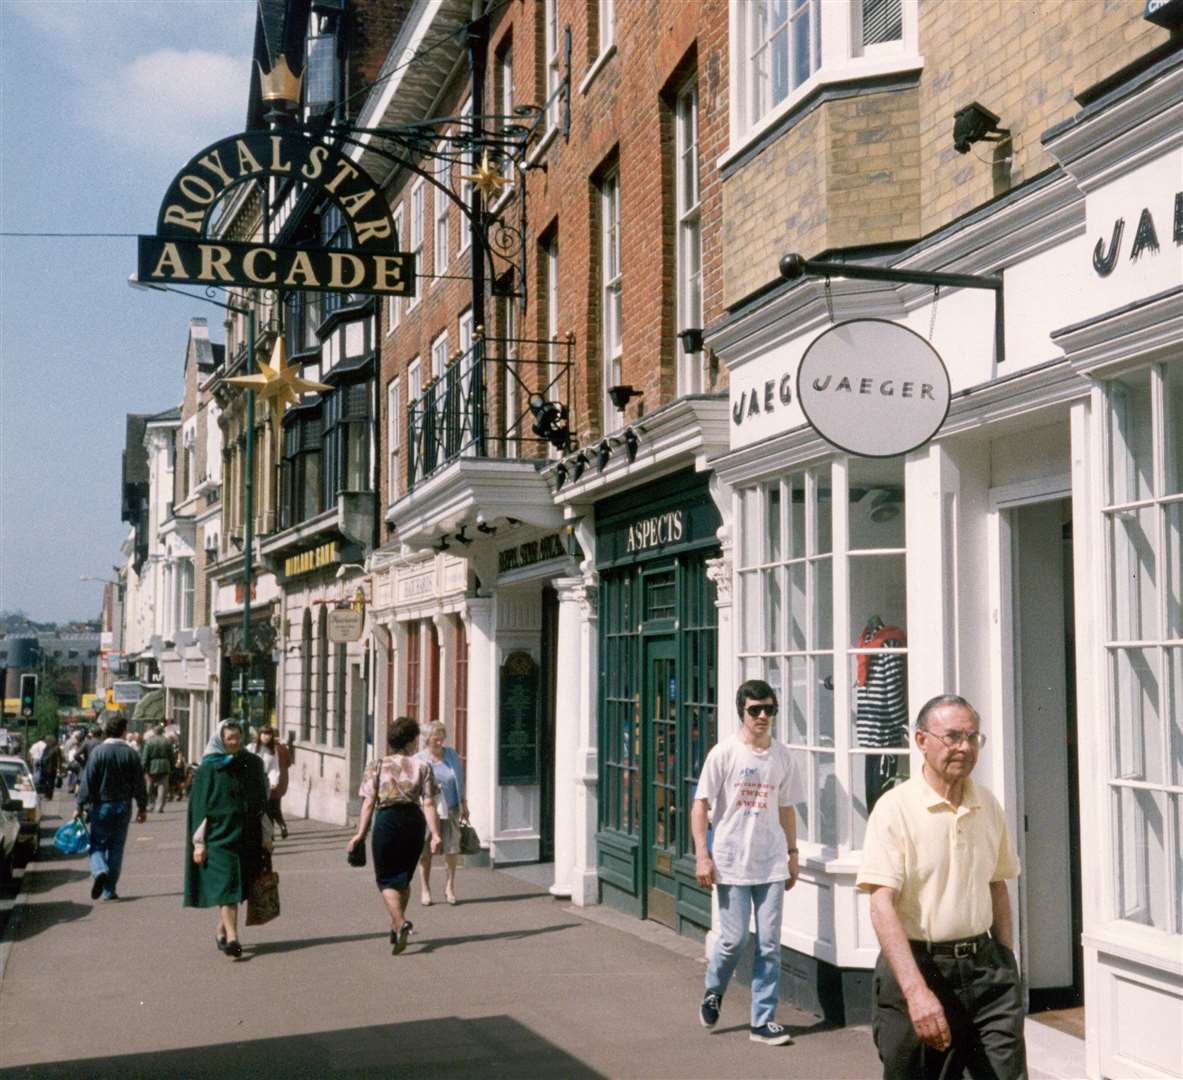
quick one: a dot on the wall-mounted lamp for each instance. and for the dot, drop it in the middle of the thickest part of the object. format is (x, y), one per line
(483, 526)
(551, 421)
(631, 442)
(560, 476)
(443, 544)
(622, 395)
(580, 465)
(465, 540)
(603, 453)
(691, 339)
(975, 123)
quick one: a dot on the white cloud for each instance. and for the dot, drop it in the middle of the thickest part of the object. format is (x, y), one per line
(169, 103)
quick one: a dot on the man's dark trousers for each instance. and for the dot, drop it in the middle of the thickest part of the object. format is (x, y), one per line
(983, 1001)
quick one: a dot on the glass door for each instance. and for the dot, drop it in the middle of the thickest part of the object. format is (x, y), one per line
(662, 775)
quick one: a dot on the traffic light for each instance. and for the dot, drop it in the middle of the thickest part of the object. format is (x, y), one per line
(28, 694)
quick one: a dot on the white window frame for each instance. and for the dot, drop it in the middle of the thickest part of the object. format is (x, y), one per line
(605, 26)
(464, 240)
(394, 304)
(418, 228)
(439, 354)
(611, 300)
(1137, 629)
(841, 58)
(689, 240)
(510, 329)
(440, 238)
(414, 381)
(554, 62)
(394, 425)
(505, 101)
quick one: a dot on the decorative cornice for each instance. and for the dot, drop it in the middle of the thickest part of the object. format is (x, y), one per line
(1146, 329)
(719, 570)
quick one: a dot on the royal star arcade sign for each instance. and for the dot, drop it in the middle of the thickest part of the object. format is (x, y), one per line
(182, 253)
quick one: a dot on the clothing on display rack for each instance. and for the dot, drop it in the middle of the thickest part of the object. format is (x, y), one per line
(881, 704)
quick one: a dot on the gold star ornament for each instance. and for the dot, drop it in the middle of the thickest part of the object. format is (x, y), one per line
(487, 180)
(279, 382)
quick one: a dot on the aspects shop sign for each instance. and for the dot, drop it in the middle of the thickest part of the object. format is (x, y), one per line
(183, 253)
(874, 388)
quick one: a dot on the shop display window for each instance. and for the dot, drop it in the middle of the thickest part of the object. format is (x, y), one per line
(1143, 534)
(804, 540)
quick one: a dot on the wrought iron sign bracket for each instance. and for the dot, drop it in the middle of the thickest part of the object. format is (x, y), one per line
(794, 267)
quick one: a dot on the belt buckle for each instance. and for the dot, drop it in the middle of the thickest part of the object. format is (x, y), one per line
(964, 949)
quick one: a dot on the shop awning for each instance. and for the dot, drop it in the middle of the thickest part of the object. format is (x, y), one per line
(150, 708)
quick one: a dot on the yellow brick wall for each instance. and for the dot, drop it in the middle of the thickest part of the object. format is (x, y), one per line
(881, 167)
(1025, 60)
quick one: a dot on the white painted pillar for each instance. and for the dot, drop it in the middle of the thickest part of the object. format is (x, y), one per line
(569, 709)
(585, 887)
(481, 775)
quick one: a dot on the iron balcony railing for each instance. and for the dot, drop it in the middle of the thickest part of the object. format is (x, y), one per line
(479, 406)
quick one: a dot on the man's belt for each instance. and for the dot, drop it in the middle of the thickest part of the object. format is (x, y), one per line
(962, 949)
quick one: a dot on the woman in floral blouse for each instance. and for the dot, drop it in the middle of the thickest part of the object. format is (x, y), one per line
(397, 785)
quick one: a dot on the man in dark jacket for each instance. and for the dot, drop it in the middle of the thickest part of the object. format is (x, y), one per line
(113, 778)
(157, 760)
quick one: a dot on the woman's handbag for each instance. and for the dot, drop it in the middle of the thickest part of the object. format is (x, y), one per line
(356, 855)
(262, 903)
(470, 843)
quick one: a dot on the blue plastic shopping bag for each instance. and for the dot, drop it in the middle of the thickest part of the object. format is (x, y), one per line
(72, 838)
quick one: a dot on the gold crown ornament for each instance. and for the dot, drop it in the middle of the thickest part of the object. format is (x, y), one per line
(280, 83)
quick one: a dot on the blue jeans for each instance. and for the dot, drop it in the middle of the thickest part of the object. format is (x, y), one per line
(735, 909)
(108, 835)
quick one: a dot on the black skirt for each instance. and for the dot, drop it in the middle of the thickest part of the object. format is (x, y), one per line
(398, 841)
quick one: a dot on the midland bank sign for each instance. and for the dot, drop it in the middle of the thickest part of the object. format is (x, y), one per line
(183, 253)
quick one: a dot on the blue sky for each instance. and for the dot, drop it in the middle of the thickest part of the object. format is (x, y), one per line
(101, 103)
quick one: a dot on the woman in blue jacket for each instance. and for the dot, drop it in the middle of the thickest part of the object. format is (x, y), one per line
(449, 775)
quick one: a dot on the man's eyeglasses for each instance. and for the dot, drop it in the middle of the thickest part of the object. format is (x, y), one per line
(953, 739)
(756, 710)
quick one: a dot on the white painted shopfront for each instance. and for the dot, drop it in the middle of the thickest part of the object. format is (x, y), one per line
(1030, 557)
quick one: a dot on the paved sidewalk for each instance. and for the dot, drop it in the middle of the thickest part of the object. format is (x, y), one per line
(509, 983)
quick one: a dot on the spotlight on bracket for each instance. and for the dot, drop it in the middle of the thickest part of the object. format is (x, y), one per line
(551, 421)
(560, 476)
(603, 453)
(622, 395)
(580, 465)
(482, 526)
(691, 339)
(465, 540)
(443, 545)
(631, 442)
(975, 123)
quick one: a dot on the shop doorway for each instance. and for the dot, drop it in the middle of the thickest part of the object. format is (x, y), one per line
(661, 773)
(1046, 736)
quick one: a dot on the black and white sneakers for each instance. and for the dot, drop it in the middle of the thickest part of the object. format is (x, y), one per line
(771, 1034)
(708, 1011)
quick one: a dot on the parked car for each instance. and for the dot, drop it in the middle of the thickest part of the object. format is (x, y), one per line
(19, 779)
(10, 831)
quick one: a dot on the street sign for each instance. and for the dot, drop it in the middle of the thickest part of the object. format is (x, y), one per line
(345, 624)
(127, 693)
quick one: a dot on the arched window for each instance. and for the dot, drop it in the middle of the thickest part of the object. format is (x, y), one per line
(306, 677)
(322, 675)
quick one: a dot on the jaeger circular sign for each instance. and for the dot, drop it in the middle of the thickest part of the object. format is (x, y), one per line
(874, 388)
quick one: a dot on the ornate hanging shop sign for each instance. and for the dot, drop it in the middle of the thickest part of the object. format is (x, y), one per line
(874, 388)
(183, 253)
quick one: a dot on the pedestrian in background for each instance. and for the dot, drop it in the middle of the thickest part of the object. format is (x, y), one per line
(747, 789)
(70, 755)
(111, 781)
(450, 807)
(947, 999)
(398, 793)
(275, 759)
(49, 765)
(229, 832)
(157, 760)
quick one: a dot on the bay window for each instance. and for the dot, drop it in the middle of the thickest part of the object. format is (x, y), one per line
(784, 49)
(301, 469)
(347, 440)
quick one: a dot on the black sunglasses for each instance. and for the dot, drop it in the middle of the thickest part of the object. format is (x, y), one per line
(755, 710)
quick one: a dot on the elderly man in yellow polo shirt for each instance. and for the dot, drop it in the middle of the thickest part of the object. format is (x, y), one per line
(947, 998)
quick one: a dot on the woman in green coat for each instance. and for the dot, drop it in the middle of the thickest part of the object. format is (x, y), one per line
(228, 833)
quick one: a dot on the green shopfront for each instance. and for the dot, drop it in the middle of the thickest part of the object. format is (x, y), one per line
(658, 647)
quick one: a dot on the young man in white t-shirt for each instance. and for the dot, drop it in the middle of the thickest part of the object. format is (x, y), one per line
(747, 788)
